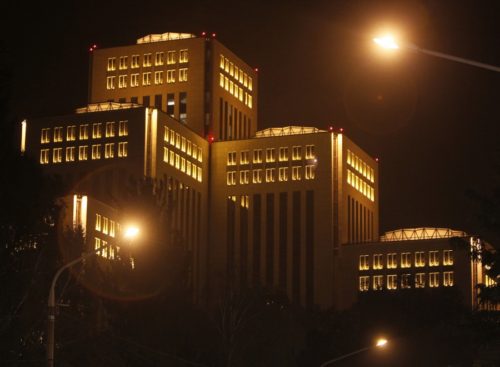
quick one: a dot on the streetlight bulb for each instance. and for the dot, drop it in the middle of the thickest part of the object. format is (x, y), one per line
(131, 232)
(386, 41)
(381, 343)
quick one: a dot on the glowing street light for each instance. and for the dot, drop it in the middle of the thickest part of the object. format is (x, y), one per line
(130, 233)
(380, 343)
(388, 42)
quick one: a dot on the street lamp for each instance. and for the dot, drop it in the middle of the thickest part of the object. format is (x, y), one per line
(130, 233)
(380, 343)
(388, 42)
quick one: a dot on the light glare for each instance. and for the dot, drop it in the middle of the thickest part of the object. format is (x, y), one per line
(386, 41)
(131, 232)
(381, 342)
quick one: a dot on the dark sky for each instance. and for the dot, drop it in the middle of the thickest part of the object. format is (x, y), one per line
(434, 124)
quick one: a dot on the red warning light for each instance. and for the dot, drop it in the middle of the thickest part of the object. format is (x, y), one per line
(330, 129)
(210, 138)
(94, 46)
(214, 35)
(256, 70)
(91, 49)
(376, 159)
(341, 129)
(203, 34)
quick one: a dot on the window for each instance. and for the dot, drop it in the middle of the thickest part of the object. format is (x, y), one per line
(250, 86)
(378, 282)
(188, 168)
(111, 64)
(110, 82)
(270, 155)
(405, 281)
(447, 257)
(183, 56)
(310, 152)
(109, 150)
(170, 76)
(296, 153)
(364, 262)
(158, 77)
(97, 244)
(98, 222)
(283, 174)
(44, 156)
(183, 144)
(122, 149)
(159, 58)
(70, 154)
(96, 151)
(58, 134)
(231, 68)
(296, 173)
(433, 258)
(283, 154)
(231, 178)
(310, 172)
(244, 177)
(270, 173)
(123, 128)
(96, 130)
(183, 164)
(165, 154)
(194, 151)
(135, 62)
(419, 259)
(257, 176)
(71, 133)
(392, 262)
(83, 152)
(183, 107)
(199, 174)
(170, 57)
(392, 282)
(231, 158)
(378, 261)
(221, 63)
(134, 80)
(57, 155)
(123, 62)
(45, 136)
(405, 260)
(170, 104)
(434, 280)
(147, 60)
(177, 140)
(177, 161)
(244, 155)
(189, 149)
(146, 78)
(448, 279)
(257, 156)
(183, 75)
(364, 283)
(420, 280)
(110, 129)
(122, 81)
(221, 80)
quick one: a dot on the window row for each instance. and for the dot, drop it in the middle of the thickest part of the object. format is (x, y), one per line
(182, 164)
(105, 225)
(269, 174)
(105, 250)
(434, 259)
(83, 152)
(235, 90)
(97, 131)
(235, 72)
(257, 155)
(147, 60)
(147, 78)
(359, 184)
(359, 165)
(183, 144)
(406, 281)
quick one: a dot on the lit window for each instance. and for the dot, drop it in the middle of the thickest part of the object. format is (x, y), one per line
(392, 282)
(172, 137)
(183, 56)
(123, 128)
(270, 155)
(96, 151)
(257, 156)
(122, 149)
(97, 244)
(433, 258)
(134, 80)
(83, 152)
(170, 76)
(270, 174)
(44, 156)
(283, 154)
(226, 65)
(231, 158)
(240, 94)
(177, 161)
(109, 150)
(448, 279)
(244, 157)
(194, 170)
(378, 282)
(447, 257)
(231, 69)
(245, 201)
(159, 58)
(172, 158)
(250, 99)
(188, 168)
(165, 154)
(310, 152)
(170, 57)
(110, 129)
(392, 262)
(122, 81)
(71, 133)
(158, 77)
(105, 224)
(434, 280)
(70, 154)
(135, 62)
(111, 63)
(183, 75)
(58, 134)
(296, 175)
(244, 177)
(245, 79)
(183, 144)
(84, 132)
(236, 72)
(110, 82)
(123, 62)
(231, 87)
(231, 178)
(419, 259)
(364, 283)
(98, 222)
(147, 60)
(96, 130)
(57, 155)
(45, 136)
(310, 172)
(405, 260)
(378, 261)
(199, 174)
(221, 80)
(177, 140)
(420, 280)
(405, 281)
(250, 85)
(183, 164)
(296, 153)
(221, 62)
(146, 78)
(283, 173)
(364, 262)
(257, 176)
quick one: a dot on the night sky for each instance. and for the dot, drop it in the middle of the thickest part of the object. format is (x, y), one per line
(433, 123)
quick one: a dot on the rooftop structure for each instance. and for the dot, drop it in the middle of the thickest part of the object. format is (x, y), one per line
(423, 233)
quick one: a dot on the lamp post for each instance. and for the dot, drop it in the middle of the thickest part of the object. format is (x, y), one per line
(381, 343)
(388, 42)
(130, 233)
